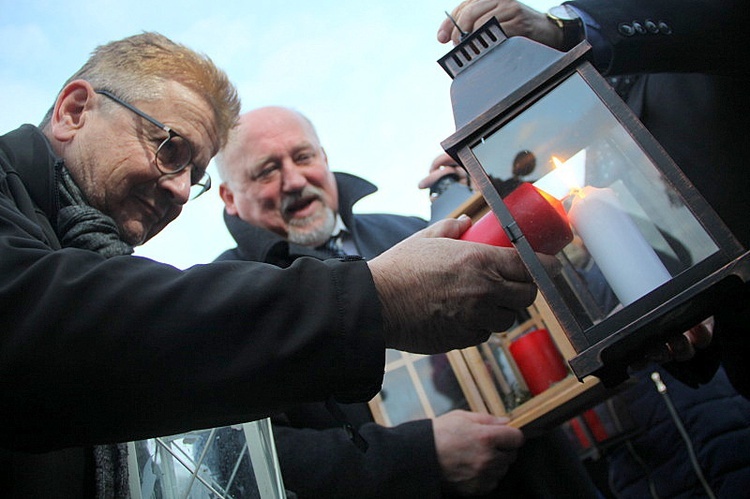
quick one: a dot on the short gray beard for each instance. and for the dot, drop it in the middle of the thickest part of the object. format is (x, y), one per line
(312, 238)
(298, 229)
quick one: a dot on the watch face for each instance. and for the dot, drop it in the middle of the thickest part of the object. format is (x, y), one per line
(562, 13)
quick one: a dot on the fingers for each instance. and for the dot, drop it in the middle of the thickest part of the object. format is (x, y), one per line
(464, 15)
(443, 165)
(493, 320)
(471, 14)
(700, 336)
(516, 295)
(507, 438)
(447, 28)
(551, 264)
(502, 450)
(443, 159)
(442, 294)
(509, 286)
(482, 417)
(474, 450)
(450, 227)
(681, 347)
(436, 175)
(515, 17)
(511, 267)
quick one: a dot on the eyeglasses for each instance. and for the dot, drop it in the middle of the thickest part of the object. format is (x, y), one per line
(174, 154)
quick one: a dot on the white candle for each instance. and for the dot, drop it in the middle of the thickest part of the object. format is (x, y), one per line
(626, 259)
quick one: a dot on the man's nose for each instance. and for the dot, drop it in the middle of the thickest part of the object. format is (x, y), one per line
(178, 186)
(292, 178)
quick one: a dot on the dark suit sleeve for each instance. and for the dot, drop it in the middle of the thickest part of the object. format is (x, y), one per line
(708, 36)
(400, 462)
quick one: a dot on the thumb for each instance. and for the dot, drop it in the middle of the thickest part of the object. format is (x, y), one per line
(450, 227)
(487, 419)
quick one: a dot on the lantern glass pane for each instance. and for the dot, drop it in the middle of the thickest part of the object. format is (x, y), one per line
(632, 229)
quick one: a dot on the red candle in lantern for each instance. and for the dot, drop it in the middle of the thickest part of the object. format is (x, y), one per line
(538, 360)
(540, 217)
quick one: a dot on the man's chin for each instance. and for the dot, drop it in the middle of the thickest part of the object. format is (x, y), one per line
(307, 239)
(307, 236)
(136, 231)
(313, 230)
(136, 234)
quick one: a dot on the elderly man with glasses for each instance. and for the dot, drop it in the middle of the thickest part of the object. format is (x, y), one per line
(98, 347)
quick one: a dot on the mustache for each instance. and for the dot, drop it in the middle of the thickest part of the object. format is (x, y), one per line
(294, 200)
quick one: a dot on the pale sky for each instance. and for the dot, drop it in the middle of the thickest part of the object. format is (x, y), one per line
(365, 73)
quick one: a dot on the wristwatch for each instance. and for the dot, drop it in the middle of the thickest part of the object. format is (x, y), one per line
(569, 22)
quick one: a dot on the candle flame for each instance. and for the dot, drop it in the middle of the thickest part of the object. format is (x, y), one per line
(566, 172)
(566, 178)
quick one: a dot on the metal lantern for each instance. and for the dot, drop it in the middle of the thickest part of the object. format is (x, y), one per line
(649, 257)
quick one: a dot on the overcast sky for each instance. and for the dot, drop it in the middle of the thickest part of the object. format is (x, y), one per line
(365, 73)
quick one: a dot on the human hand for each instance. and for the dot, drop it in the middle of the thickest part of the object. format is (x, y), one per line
(682, 347)
(439, 294)
(441, 166)
(515, 18)
(474, 450)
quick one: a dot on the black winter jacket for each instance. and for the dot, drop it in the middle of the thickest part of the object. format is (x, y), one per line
(96, 350)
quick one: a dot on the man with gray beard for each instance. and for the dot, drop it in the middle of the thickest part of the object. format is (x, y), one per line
(275, 175)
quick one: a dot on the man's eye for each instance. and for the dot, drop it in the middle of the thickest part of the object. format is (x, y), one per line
(266, 172)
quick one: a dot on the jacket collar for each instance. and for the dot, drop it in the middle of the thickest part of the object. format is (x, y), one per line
(351, 190)
(37, 165)
(262, 245)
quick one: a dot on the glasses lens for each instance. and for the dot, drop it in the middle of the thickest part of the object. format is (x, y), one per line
(201, 186)
(174, 154)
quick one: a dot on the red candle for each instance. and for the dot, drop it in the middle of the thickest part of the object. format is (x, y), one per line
(577, 427)
(540, 217)
(538, 359)
(595, 425)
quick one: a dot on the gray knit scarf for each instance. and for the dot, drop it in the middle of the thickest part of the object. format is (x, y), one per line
(81, 226)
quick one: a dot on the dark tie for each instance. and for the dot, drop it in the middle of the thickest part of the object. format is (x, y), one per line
(334, 246)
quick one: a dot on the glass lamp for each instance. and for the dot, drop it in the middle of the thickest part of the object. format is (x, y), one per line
(649, 257)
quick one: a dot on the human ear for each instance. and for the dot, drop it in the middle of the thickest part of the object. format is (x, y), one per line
(228, 197)
(71, 109)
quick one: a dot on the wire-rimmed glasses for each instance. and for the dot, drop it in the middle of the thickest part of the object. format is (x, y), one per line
(174, 154)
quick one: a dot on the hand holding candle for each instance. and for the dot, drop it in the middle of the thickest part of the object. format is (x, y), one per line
(540, 217)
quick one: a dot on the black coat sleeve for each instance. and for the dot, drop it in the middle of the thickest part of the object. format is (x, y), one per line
(96, 350)
(400, 462)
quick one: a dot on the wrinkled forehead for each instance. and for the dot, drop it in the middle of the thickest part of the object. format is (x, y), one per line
(267, 137)
(279, 130)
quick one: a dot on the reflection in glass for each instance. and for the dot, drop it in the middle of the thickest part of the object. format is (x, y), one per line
(440, 384)
(217, 462)
(571, 125)
(400, 397)
(508, 381)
